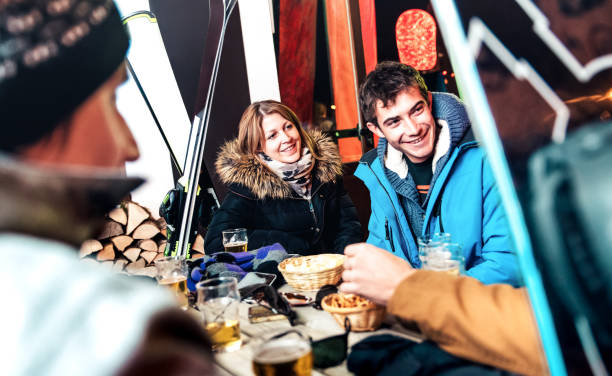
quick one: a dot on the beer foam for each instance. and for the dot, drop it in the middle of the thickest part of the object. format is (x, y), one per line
(281, 351)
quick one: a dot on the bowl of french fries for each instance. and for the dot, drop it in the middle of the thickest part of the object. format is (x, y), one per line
(363, 314)
(310, 273)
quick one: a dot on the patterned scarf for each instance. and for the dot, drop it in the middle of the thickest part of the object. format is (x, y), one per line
(296, 174)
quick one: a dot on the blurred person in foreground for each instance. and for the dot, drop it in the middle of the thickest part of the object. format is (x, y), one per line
(489, 324)
(428, 175)
(61, 156)
(285, 185)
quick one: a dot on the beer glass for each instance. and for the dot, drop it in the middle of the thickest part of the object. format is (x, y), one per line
(235, 240)
(218, 300)
(172, 273)
(427, 242)
(288, 353)
(445, 257)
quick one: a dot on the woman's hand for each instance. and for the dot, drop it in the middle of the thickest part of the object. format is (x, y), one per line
(372, 272)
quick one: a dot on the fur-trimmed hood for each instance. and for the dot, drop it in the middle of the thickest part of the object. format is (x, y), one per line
(248, 171)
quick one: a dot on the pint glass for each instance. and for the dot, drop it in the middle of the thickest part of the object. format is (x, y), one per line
(290, 354)
(218, 300)
(172, 273)
(235, 240)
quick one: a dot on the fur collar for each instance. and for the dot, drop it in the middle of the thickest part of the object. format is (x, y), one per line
(234, 168)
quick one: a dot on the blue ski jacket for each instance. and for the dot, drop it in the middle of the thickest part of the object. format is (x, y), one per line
(463, 201)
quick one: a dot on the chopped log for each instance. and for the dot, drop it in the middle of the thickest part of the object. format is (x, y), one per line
(121, 242)
(149, 271)
(89, 246)
(161, 247)
(147, 245)
(148, 255)
(159, 256)
(198, 244)
(147, 230)
(136, 214)
(196, 255)
(107, 253)
(161, 223)
(119, 265)
(135, 266)
(110, 229)
(118, 215)
(132, 253)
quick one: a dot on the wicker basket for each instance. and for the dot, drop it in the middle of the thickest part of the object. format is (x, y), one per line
(362, 319)
(312, 281)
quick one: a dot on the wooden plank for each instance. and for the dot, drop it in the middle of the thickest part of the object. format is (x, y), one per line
(297, 32)
(343, 75)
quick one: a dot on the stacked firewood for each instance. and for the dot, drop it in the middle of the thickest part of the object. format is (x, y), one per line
(130, 241)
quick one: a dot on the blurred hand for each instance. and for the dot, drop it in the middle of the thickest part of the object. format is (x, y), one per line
(372, 272)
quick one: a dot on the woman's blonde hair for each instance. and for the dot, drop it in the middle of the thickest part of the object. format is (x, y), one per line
(250, 131)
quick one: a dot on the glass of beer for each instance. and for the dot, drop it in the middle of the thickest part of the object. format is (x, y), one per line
(429, 242)
(218, 300)
(445, 257)
(172, 273)
(288, 353)
(235, 240)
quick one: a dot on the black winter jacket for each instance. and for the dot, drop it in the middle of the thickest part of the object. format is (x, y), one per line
(271, 211)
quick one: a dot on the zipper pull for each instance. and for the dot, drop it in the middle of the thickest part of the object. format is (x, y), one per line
(310, 206)
(386, 229)
(388, 235)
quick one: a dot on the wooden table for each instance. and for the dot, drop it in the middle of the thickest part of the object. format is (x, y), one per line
(317, 324)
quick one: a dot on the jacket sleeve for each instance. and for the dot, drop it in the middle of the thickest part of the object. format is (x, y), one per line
(490, 324)
(233, 213)
(349, 228)
(500, 264)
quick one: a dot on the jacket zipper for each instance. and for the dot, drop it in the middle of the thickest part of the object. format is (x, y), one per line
(314, 216)
(389, 235)
(438, 205)
(387, 229)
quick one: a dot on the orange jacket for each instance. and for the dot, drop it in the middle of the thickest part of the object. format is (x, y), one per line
(489, 324)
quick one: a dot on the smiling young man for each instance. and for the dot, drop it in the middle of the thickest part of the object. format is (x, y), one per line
(428, 175)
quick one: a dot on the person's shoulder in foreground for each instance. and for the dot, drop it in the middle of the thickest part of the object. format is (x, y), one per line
(61, 168)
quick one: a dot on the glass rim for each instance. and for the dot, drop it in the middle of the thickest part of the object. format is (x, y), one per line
(170, 258)
(223, 281)
(231, 230)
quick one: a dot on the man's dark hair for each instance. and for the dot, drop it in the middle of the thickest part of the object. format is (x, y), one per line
(384, 83)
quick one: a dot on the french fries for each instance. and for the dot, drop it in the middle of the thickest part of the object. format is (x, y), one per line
(348, 301)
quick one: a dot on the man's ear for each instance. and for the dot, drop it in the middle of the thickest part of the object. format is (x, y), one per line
(374, 129)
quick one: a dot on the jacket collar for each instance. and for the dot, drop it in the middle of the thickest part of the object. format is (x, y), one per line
(58, 203)
(249, 177)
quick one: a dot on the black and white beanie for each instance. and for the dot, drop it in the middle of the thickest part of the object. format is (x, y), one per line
(53, 55)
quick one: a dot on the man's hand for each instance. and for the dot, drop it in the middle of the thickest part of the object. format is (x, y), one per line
(372, 272)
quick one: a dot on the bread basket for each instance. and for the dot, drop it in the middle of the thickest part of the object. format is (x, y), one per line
(363, 318)
(310, 273)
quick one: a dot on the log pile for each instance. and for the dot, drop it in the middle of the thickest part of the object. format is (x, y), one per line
(130, 241)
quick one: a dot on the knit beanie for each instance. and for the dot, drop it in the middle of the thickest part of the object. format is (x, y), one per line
(53, 55)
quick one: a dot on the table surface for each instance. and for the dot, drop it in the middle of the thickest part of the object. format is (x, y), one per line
(318, 324)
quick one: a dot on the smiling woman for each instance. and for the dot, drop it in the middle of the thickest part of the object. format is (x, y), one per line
(285, 186)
